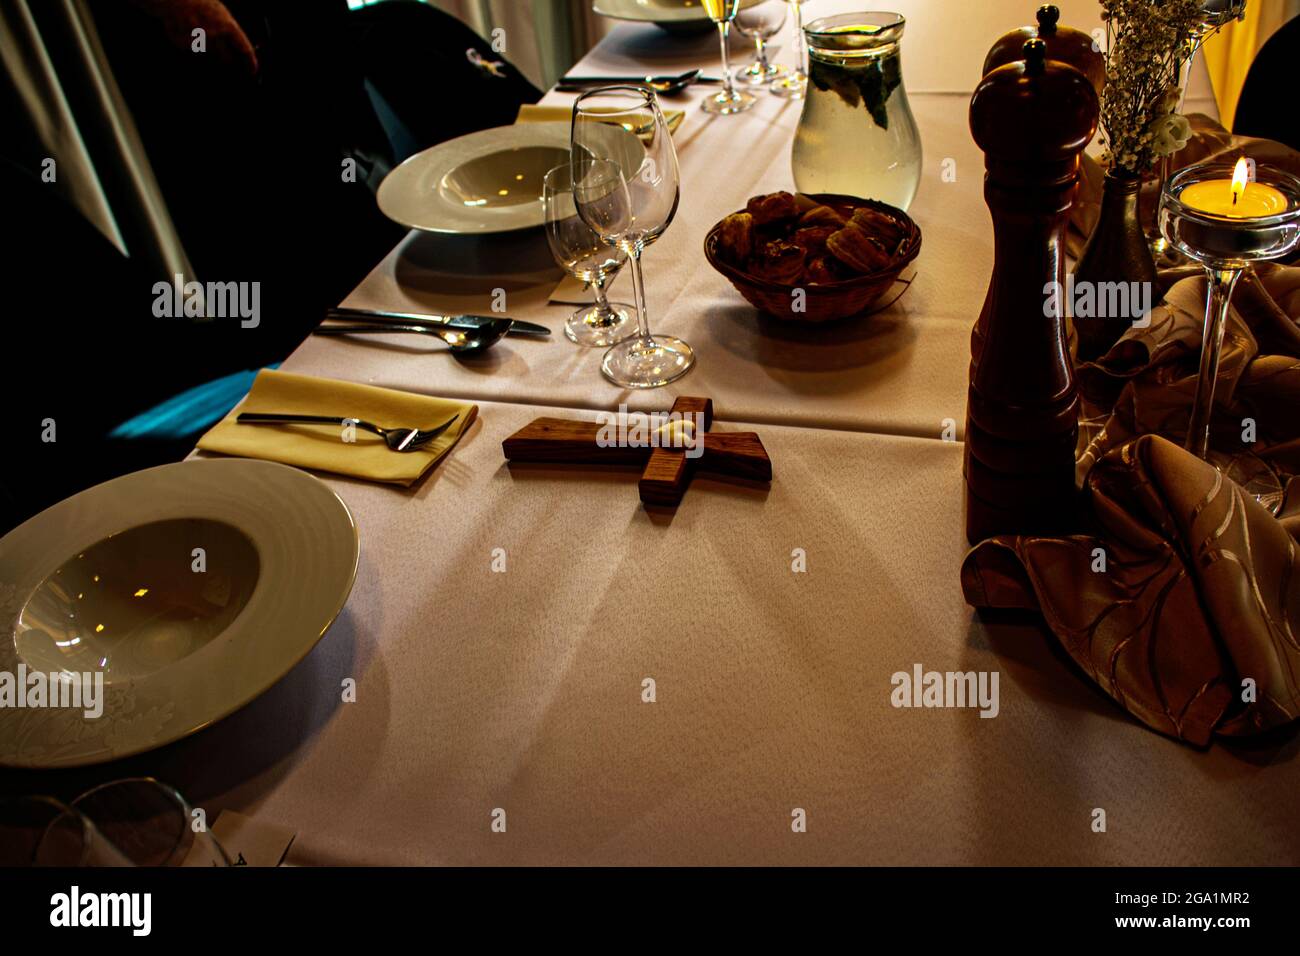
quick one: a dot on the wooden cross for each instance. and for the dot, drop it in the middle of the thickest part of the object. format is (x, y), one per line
(667, 471)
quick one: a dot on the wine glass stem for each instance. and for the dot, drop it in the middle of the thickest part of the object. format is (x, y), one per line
(638, 289)
(724, 32)
(1221, 283)
(598, 289)
(801, 55)
(760, 46)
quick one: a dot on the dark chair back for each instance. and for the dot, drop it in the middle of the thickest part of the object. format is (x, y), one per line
(1263, 109)
(437, 77)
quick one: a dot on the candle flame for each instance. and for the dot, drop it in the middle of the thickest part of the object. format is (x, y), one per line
(1240, 176)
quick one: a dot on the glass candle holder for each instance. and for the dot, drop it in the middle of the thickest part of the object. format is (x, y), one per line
(1227, 219)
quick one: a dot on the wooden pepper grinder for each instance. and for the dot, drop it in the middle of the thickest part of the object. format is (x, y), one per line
(1066, 44)
(1032, 118)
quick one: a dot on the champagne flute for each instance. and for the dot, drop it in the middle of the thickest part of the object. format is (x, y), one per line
(626, 187)
(761, 23)
(729, 100)
(584, 256)
(794, 85)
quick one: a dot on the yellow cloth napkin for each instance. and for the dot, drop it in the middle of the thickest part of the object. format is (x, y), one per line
(534, 113)
(322, 447)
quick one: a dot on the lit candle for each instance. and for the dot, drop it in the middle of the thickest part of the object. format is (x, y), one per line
(1236, 198)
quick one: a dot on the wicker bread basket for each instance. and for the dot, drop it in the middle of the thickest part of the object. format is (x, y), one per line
(830, 301)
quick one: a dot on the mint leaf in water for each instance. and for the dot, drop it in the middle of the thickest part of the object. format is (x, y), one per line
(878, 83)
(872, 84)
(826, 77)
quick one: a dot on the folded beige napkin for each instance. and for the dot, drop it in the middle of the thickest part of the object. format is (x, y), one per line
(1193, 624)
(323, 447)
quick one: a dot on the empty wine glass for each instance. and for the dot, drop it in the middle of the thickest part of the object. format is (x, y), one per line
(729, 100)
(795, 85)
(760, 23)
(626, 187)
(150, 824)
(587, 257)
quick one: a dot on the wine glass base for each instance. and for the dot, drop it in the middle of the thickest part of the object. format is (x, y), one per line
(591, 328)
(793, 86)
(756, 76)
(1254, 476)
(724, 105)
(647, 363)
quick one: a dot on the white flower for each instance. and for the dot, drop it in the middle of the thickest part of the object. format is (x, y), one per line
(1169, 133)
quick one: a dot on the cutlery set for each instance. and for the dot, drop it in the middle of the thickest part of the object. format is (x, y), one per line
(463, 334)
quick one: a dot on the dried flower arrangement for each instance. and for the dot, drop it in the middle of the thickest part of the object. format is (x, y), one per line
(1147, 44)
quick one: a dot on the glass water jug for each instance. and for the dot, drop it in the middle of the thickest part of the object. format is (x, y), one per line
(856, 136)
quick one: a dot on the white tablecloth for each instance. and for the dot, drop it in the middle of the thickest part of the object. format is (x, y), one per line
(522, 690)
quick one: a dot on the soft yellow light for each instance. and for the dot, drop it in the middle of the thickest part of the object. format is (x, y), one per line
(1240, 176)
(142, 592)
(98, 628)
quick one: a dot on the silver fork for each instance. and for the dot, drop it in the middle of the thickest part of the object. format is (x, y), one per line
(398, 439)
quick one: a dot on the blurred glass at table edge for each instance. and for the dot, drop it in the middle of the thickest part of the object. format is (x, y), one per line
(857, 135)
(43, 831)
(135, 821)
(151, 824)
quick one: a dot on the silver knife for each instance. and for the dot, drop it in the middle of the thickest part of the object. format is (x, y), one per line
(380, 317)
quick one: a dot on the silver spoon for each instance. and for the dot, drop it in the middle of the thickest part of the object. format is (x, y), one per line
(461, 341)
(663, 85)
